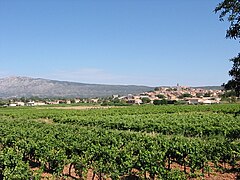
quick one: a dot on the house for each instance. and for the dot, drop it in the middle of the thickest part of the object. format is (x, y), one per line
(68, 101)
(193, 100)
(143, 96)
(39, 103)
(124, 98)
(20, 103)
(207, 101)
(217, 100)
(211, 101)
(53, 102)
(94, 100)
(130, 96)
(172, 97)
(77, 100)
(115, 96)
(30, 103)
(138, 101)
(85, 101)
(134, 101)
(130, 101)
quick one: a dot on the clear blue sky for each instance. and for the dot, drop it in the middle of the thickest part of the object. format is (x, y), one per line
(148, 42)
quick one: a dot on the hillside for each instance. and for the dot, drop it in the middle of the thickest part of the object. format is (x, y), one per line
(209, 87)
(28, 87)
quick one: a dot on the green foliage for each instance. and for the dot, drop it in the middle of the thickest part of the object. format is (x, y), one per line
(160, 102)
(12, 166)
(112, 142)
(228, 94)
(115, 103)
(207, 95)
(199, 95)
(163, 102)
(234, 83)
(175, 175)
(161, 96)
(185, 95)
(231, 9)
(180, 102)
(2, 103)
(146, 100)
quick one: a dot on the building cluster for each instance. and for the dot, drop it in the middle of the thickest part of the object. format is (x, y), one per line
(185, 95)
(175, 94)
(39, 102)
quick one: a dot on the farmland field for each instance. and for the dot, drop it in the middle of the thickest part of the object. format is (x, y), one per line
(141, 142)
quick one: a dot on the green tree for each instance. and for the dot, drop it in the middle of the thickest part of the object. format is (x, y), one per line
(231, 10)
(116, 100)
(161, 96)
(146, 100)
(2, 102)
(199, 95)
(207, 95)
(234, 83)
(160, 102)
(185, 95)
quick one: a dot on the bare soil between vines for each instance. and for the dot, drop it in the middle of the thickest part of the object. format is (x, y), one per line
(214, 175)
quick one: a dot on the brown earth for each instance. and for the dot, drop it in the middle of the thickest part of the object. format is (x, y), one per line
(216, 175)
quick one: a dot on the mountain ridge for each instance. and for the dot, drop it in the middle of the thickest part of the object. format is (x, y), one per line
(18, 86)
(21, 86)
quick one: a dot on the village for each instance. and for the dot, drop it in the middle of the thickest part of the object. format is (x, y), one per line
(169, 95)
(160, 95)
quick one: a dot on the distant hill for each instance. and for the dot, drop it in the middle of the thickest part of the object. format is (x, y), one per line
(29, 87)
(210, 87)
(200, 87)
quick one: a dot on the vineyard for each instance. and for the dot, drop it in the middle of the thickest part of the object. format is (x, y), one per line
(137, 142)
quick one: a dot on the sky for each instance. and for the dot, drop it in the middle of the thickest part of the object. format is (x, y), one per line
(141, 42)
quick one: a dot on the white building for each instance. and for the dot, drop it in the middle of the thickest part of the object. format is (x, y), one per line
(20, 103)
